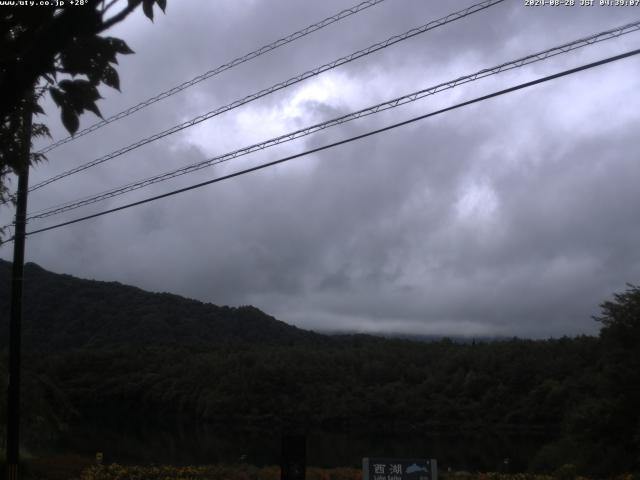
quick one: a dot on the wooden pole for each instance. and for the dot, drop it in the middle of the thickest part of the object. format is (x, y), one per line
(15, 321)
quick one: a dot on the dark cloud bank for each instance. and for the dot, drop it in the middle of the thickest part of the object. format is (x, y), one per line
(517, 216)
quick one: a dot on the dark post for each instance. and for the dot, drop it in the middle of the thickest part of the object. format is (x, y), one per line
(13, 390)
(293, 464)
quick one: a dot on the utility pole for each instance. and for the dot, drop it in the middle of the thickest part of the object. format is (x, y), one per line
(15, 321)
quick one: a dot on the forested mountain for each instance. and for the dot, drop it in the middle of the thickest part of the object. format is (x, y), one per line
(62, 312)
(97, 351)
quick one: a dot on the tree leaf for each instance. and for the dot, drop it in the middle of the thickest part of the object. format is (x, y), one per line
(70, 120)
(76, 57)
(57, 96)
(89, 55)
(92, 107)
(162, 4)
(110, 77)
(37, 109)
(37, 157)
(147, 8)
(119, 45)
(40, 130)
(78, 96)
(80, 91)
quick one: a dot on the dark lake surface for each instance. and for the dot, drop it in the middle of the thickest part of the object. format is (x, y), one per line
(188, 444)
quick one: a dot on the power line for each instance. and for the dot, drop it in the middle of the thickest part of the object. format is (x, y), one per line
(279, 86)
(398, 101)
(348, 140)
(226, 66)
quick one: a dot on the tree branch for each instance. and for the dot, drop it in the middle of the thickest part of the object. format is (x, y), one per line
(119, 16)
(111, 4)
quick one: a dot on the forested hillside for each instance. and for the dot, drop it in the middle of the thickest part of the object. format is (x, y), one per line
(62, 312)
(102, 350)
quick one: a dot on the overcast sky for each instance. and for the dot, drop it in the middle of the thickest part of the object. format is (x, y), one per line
(515, 216)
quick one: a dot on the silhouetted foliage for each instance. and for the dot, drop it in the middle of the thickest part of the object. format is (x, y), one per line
(612, 419)
(38, 45)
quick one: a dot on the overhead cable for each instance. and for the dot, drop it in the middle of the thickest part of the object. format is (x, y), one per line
(279, 86)
(226, 66)
(389, 104)
(342, 142)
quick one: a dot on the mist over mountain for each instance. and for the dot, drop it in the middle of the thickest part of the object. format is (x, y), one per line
(65, 312)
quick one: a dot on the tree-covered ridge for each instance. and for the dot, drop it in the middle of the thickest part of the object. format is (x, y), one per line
(62, 312)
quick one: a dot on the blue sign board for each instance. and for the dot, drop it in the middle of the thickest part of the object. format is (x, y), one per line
(399, 469)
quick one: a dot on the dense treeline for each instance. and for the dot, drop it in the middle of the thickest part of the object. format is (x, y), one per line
(102, 350)
(516, 384)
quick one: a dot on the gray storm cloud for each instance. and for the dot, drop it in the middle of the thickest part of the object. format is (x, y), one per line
(512, 217)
